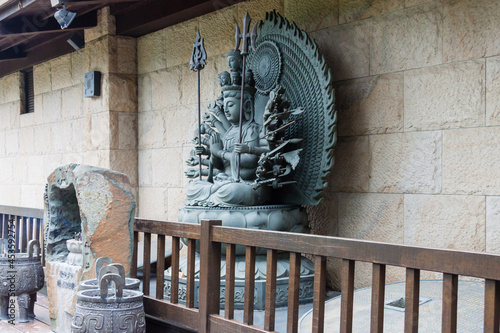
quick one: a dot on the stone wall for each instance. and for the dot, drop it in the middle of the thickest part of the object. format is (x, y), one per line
(66, 127)
(416, 85)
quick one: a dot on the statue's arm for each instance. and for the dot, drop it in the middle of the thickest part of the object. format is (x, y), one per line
(217, 110)
(214, 122)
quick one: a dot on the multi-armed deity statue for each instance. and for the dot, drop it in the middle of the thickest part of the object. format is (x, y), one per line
(266, 143)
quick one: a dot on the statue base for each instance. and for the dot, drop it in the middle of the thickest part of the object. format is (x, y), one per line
(306, 281)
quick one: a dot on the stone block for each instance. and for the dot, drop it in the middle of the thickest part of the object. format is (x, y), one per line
(122, 92)
(106, 25)
(446, 96)
(100, 131)
(125, 161)
(51, 162)
(175, 82)
(470, 29)
(152, 131)
(127, 130)
(181, 125)
(145, 167)
(126, 55)
(26, 141)
(43, 141)
(79, 130)
(493, 224)
(312, 15)
(159, 89)
(10, 195)
(470, 161)
(61, 137)
(350, 10)
(168, 167)
(371, 105)
(394, 36)
(210, 88)
(349, 56)
(10, 115)
(78, 67)
(99, 55)
(144, 93)
(188, 86)
(152, 52)
(445, 221)
(72, 102)
(42, 81)
(406, 162)
(176, 197)
(2, 148)
(51, 103)
(5, 166)
(257, 9)
(99, 158)
(351, 172)
(323, 218)
(409, 3)
(153, 203)
(61, 72)
(35, 174)
(27, 120)
(218, 30)
(492, 91)
(12, 142)
(177, 37)
(11, 87)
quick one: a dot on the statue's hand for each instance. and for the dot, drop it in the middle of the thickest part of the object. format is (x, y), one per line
(209, 118)
(214, 107)
(193, 160)
(199, 150)
(192, 173)
(241, 148)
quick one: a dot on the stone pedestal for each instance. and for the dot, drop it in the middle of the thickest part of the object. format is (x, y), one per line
(99, 204)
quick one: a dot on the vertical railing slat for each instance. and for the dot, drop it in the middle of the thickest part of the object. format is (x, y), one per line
(491, 306)
(346, 296)
(133, 265)
(191, 257)
(146, 264)
(249, 285)
(271, 271)
(2, 216)
(23, 234)
(30, 226)
(412, 300)
(318, 320)
(17, 233)
(174, 271)
(229, 292)
(378, 293)
(210, 257)
(450, 296)
(293, 293)
(160, 266)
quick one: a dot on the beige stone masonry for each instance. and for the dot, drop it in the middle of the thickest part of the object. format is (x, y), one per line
(446, 96)
(470, 29)
(218, 30)
(406, 39)
(177, 50)
(153, 202)
(370, 105)
(106, 25)
(406, 163)
(181, 125)
(349, 56)
(168, 167)
(312, 15)
(257, 9)
(354, 10)
(60, 71)
(454, 221)
(152, 52)
(9, 85)
(470, 161)
(176, 198)
(493, 224)
(152, 132)
(492, 91)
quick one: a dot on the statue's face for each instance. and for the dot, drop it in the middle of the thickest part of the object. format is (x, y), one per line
(234, 63)
(232, 109)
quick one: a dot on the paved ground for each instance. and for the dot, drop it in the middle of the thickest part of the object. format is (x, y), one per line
(41, 324)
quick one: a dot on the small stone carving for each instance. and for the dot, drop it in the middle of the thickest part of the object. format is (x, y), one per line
(101, 270)
(97, 310)
(21, 275)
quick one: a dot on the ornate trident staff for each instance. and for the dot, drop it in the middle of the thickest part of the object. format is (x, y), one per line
(198, 62)
(244, 51)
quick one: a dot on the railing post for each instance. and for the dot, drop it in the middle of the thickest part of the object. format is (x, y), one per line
(210, 256)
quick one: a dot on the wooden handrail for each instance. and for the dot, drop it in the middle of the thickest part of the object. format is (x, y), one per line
(22, 211)
(211, 234)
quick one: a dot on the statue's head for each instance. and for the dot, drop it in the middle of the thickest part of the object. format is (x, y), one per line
(234, 60)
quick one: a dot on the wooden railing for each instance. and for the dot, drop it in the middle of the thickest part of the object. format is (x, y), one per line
(211, 235)
(22, 224)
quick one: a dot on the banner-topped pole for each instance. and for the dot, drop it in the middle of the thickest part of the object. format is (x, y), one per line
(198, 62)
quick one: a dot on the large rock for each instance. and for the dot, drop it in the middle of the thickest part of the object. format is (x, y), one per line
(98, 203)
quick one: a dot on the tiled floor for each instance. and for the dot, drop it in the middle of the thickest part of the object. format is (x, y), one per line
(41, 324)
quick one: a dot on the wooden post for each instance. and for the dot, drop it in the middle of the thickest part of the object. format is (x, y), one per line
(318, 320)
(346, 296)
(160, 266)
(378, 293)
(210, 256)
(491, 306)
(450, 293)
(174, 278)
(412, 300)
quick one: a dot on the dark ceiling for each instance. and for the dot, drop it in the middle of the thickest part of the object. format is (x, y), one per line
(29, 33)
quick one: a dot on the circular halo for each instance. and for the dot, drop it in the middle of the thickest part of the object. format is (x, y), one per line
(266, 66)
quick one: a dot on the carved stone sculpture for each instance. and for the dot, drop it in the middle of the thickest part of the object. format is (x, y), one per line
(22, 276)
(101, 270)
(288, 129)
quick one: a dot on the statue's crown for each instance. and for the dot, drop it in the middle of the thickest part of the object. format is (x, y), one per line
(231, 81)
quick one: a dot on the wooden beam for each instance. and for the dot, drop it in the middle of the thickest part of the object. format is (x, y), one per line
(13, 8)
(12, 53)
(148, 16)
(30, 26)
